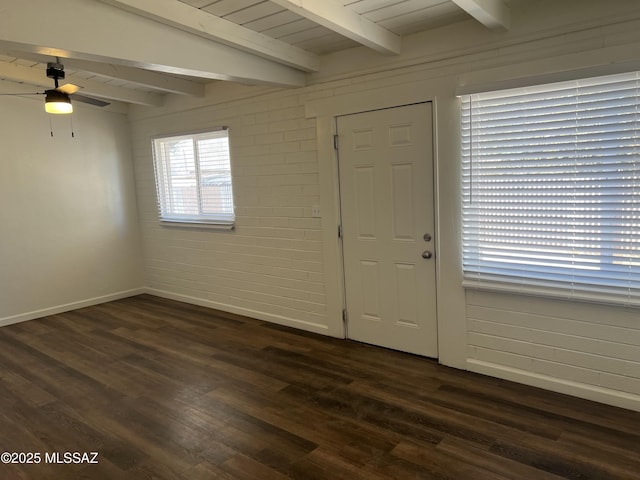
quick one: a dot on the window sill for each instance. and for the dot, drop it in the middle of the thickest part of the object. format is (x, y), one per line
(595, 295)
(199, 224)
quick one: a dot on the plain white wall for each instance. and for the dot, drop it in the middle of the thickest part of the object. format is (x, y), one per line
(68, 221)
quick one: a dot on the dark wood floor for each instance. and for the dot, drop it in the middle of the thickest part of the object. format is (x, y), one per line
(164, 390)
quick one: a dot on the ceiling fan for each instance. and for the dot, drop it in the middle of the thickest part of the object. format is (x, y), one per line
(58, 99)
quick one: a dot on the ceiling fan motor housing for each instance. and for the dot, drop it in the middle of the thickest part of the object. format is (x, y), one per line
(55, 70)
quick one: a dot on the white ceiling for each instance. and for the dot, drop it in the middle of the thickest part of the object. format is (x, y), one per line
(252, 41)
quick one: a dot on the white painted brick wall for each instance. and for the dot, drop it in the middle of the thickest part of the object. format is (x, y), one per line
(579, 342)
(272, 262)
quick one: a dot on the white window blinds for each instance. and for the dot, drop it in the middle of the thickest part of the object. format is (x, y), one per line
(193, 178)
(551, 188)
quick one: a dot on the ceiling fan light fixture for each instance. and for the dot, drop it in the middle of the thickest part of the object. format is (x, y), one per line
(57, 102)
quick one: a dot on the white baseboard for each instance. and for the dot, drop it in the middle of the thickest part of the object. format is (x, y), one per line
(280, 320)
(247, 312)
(576, 389)
(23, 317)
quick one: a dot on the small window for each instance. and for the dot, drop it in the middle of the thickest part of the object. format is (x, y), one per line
(193, 178)
(551, 179)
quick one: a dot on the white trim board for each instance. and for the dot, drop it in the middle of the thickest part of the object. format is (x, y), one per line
(387, 96)
(567, 387)
(247, 312)
(23, 317)
(325, 111)
(450, 296)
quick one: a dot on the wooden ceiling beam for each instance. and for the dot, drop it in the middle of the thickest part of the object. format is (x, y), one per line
(493, 14)
(189, 19)
(333, 15)
(38, 78)
(145, 78)
(138, 76)
(100, 32)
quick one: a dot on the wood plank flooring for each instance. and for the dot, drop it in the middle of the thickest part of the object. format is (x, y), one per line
(164, 390)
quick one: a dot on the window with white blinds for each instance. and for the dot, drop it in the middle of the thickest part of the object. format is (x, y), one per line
(193, 178)
(551, 189)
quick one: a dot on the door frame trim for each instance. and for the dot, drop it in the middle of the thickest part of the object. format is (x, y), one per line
(325, 111)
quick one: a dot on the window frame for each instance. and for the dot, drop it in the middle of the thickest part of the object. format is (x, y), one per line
(218, 220)
(544, 285)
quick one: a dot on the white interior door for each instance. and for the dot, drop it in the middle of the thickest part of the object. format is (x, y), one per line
(387, 202)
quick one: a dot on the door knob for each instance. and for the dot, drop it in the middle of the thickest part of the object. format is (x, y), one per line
(427, 254)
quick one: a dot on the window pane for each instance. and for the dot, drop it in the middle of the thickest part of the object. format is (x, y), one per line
(183, 193)
(193, 175)
(551, 186)
(217, 195)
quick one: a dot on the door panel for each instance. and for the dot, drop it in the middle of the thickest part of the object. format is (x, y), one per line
(402, 202)
(365, 208)
(386, 189)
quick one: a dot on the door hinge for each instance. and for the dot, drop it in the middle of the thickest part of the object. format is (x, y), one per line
(345, 323)
(335, 142)
(339, 231)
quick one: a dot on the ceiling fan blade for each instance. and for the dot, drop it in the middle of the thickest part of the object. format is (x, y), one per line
(89, 100)
(18, 94)
(68, 88)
